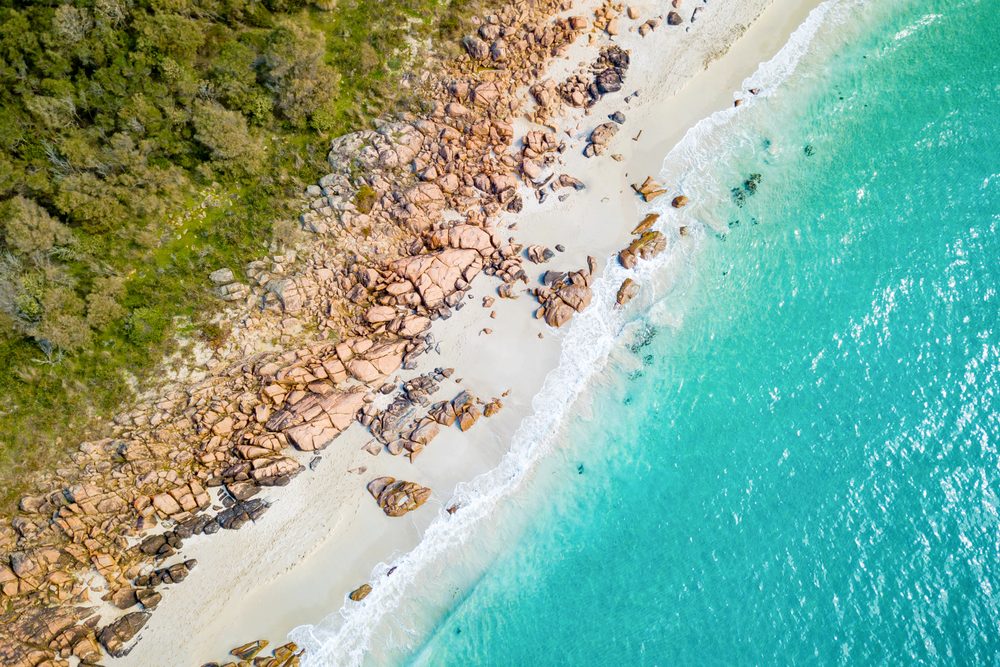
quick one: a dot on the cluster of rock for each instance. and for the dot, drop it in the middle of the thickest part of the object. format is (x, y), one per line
(398, 426)
(226, 286)
(564, 294)
(674, 18)
(400, 228)
(647, 242)
(584, 88)
(286, 655)
(539, 254)
(463, 410)
(646, 246)
(649, 189)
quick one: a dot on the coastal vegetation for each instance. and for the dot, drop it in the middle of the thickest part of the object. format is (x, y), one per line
(146, 143)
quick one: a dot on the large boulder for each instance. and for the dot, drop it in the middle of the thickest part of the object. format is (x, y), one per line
(379, 314)
(609, 81)
(476, 48)
(115, 636)
(410, 326)
(360, 593)
(603, 133)
(462, 236)
(628, 290)
(558, 314)
(397, 497)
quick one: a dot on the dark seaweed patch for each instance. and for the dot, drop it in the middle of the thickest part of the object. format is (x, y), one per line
(643, 337)
(748, 187)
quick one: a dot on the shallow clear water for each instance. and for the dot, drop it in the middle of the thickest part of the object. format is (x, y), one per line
(792, 454)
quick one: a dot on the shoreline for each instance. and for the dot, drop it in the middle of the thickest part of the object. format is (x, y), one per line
(326, 521)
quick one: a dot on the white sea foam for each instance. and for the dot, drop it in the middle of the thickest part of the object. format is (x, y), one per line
(343, 638)
(922, 22)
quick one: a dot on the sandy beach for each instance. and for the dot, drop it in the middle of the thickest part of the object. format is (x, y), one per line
(324, 534)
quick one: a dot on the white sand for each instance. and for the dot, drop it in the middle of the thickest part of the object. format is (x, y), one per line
(324, 533)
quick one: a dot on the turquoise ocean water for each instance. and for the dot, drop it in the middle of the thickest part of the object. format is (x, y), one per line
(789, 453)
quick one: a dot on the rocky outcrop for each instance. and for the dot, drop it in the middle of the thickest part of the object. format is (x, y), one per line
(462, 410)
(648, 245)
(37, 635)
(114, 637)
(600, 138)
(286, 655)
(565, 294)
(398, 426)
(315, 419)
(397, 497)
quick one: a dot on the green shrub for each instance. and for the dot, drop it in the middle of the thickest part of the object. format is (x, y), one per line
(146, 326)
(103, 302)
(364, 198)
(63, 324)
(28, 228)
(226, 135)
